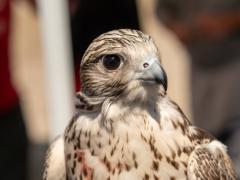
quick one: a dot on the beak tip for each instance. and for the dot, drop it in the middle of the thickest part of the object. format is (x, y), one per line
(163, 82)
(161, 78)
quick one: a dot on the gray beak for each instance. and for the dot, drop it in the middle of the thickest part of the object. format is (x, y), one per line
(155, 74)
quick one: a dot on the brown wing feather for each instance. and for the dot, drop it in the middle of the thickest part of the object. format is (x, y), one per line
(204, 164)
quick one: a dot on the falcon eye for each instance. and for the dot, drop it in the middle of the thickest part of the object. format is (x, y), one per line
(111, 62)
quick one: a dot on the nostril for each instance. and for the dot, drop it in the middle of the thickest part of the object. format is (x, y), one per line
(145, 65)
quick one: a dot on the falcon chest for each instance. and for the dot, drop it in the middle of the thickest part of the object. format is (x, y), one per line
(134, 143)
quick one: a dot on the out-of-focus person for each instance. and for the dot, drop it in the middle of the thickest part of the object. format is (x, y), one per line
(210, 31)
(13, 149)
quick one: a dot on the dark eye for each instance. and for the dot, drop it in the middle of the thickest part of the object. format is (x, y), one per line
(111, 62)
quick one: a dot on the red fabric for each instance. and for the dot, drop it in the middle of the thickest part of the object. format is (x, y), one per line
(8, 96)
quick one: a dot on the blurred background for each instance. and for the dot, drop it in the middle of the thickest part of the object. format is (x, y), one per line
(42, 42)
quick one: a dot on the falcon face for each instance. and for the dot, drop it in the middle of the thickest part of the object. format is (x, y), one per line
(121, 62)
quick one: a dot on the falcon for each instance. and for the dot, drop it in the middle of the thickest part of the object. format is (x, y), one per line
(125, 125)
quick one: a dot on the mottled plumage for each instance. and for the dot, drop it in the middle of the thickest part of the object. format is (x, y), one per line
(126, 127)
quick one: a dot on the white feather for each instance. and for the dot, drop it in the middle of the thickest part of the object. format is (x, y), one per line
(55, 162)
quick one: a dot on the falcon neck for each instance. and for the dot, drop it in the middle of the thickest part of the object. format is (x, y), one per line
(117, 107)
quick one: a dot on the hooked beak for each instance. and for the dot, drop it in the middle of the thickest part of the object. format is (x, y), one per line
(155, 74)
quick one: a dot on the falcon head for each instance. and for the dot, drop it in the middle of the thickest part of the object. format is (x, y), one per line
(122, 63)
